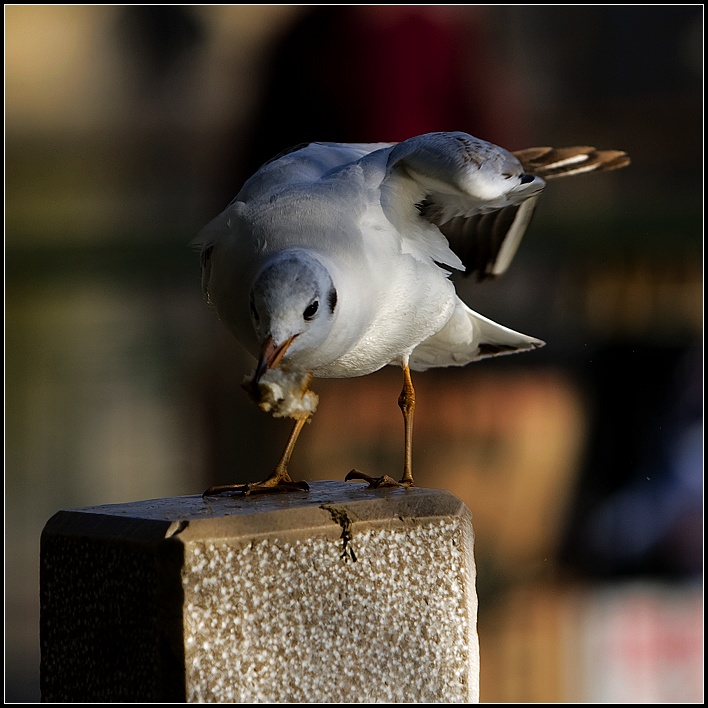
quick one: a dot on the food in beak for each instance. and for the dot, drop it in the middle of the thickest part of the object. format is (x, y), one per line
(283, 394)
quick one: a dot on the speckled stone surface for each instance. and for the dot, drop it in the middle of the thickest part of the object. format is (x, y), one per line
(342, 594)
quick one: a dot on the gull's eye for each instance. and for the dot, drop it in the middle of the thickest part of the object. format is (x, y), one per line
(311, 310)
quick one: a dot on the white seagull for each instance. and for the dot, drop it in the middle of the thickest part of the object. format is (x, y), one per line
(334, 260)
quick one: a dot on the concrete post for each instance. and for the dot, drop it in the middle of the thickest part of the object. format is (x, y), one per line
(342, 594)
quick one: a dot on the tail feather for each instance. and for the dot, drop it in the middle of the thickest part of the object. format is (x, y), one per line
(468, 337)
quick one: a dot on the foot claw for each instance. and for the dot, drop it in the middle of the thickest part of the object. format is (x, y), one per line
(374, 482)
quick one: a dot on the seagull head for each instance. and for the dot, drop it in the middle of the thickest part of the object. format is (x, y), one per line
(292, 303)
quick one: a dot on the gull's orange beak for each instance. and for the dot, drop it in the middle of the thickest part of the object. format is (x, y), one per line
(271, 355)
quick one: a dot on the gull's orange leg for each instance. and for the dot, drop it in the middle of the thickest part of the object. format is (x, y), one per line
(278, 481)
(406, 402)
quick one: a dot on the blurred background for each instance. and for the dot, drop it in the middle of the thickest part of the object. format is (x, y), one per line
(127, 128)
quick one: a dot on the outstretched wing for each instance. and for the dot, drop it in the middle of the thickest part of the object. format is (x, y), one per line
(480, 196)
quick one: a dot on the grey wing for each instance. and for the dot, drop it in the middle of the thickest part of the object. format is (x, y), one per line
(487, 242)
(307, 162)
(482, 197)
(478, 195)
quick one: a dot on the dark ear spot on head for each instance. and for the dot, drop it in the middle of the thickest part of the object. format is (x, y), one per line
(332, 299)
